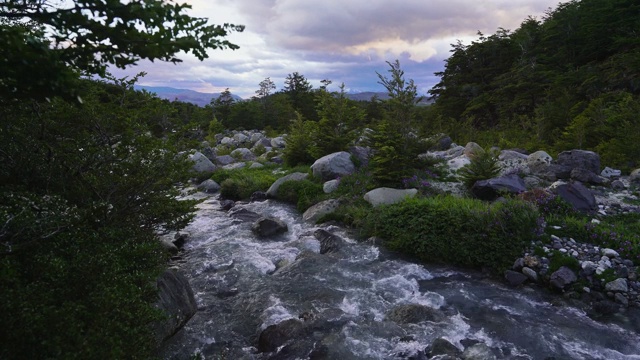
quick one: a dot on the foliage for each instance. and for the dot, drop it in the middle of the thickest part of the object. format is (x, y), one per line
(460, 231)
(420, 181)
(303, 193)
(547, 203)
(484, 165)
(558, 260)
(83, 191)
(299, 142)
(42, 57)
(239, 184)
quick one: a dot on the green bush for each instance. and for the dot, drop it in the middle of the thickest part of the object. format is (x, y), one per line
(460, 231)
(241, 183)
(558, 260)
(484, 165)
(303, 193)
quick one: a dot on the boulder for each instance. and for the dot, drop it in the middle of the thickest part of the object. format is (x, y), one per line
(386, 196)
(267, 227)
(314, 213)
(209, 153)
(577, 195)
(227, 141)
(619, 284)
(584, 159)
(240, 138)
(258, 196)
(176, 300)
(273, 189)
(491, 189)
(634, 177)
(274, 336)
(278, 142)
(209, 186)
(413, 314)
(243, 154)
(513, 162)
(514, 278)
(478, 352)
(256, 136)
(587, 177)
(361, 153)
(202, 166)
(440, 142)
(235, 166)
(617, 185)
(610, 173)
(530, 273)
(539, 162)
(333, 166)
(457, 163)
(329, 243)
(442, 346)
(244, 214)
(472, 149)
(330, 186)
(264, 142)
(562, 277)
(255, 165)
(225, 160)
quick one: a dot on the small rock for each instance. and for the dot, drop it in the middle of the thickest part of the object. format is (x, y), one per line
(610, 253)
(619, 285)
(530, 273)
(266, 227)
(514, 278)
(563, 277)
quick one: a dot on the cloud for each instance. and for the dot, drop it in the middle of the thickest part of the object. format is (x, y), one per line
(345, 41)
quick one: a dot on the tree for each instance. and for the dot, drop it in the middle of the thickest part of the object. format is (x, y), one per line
(266, 86)
(46, 42)
(298, 88)
(222, 106)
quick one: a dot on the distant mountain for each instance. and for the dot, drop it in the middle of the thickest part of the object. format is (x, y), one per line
(367, 95)
(191, 96)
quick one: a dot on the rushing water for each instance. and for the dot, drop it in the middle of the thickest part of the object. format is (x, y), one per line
(243, 284)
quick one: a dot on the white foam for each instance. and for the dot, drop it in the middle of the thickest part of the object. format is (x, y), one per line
(350, 306)
(275, 313)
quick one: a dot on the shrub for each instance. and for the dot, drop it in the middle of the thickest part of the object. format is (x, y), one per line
(303, 193)
(241, 183)
(484, 165)
(558, 260)
(548, 204)
(465, 232)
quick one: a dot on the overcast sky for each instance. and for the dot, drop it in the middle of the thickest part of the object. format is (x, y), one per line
(341, 40)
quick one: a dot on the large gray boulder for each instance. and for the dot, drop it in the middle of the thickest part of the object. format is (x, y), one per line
(278, 334)
(634, 177)
(314, 213)
(202, 166)
(242, 154)
(577, 195)
(329, 243)
(225, 160)
(267, 227)
(413, 314)
(278, 142)
(584, 159)
(491, 189)
(562, 277)
(332, 166)
(539, 162)
(273, 189)
(176, 300)
(387, 196)
(363, 154)
(209, 186)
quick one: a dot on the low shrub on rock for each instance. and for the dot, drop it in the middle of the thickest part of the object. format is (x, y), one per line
(241, 183)
(458, 231)
(303, 193)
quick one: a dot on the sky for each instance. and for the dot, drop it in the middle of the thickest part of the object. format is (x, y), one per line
(345, 41)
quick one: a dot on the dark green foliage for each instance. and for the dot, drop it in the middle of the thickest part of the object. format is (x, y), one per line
(77, 40)
(458, 231)
(303, 193)
(558, 260)
(484, 165)
(548, 204)
(83, 190)
(300, 141)
(239, 184)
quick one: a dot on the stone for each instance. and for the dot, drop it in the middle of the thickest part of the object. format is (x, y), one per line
(610, 253)
(472, 149)
(243, 154)
(478, 352)
(278, 142)
(530, 273)
(255, 165)
(562, 277)
(514, 278)
(235, 166)
(589, 267)
(361, 153)
(413, 314)
(223, 160)
(244, 215)
(491, 189)
(258, 196)
(577, 195)
(332, 166)
(227, 141)
(458, 163)
(176, 300)
(226, 205)
(330, 186)
(442, 346)
(202, 166)
(329, 243)
(209, 153)
(634, 177)
(278, 334)
(584, 159)
(256, 136)
(621, 299)
(240, 138)
(267, 227)
(273, 189)
(610, 173)
(587, 177)
(539, 161)
(617, 285)
(209, 186)
(315, 212)
(617, 185)
(387, 196)
(518, 264)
